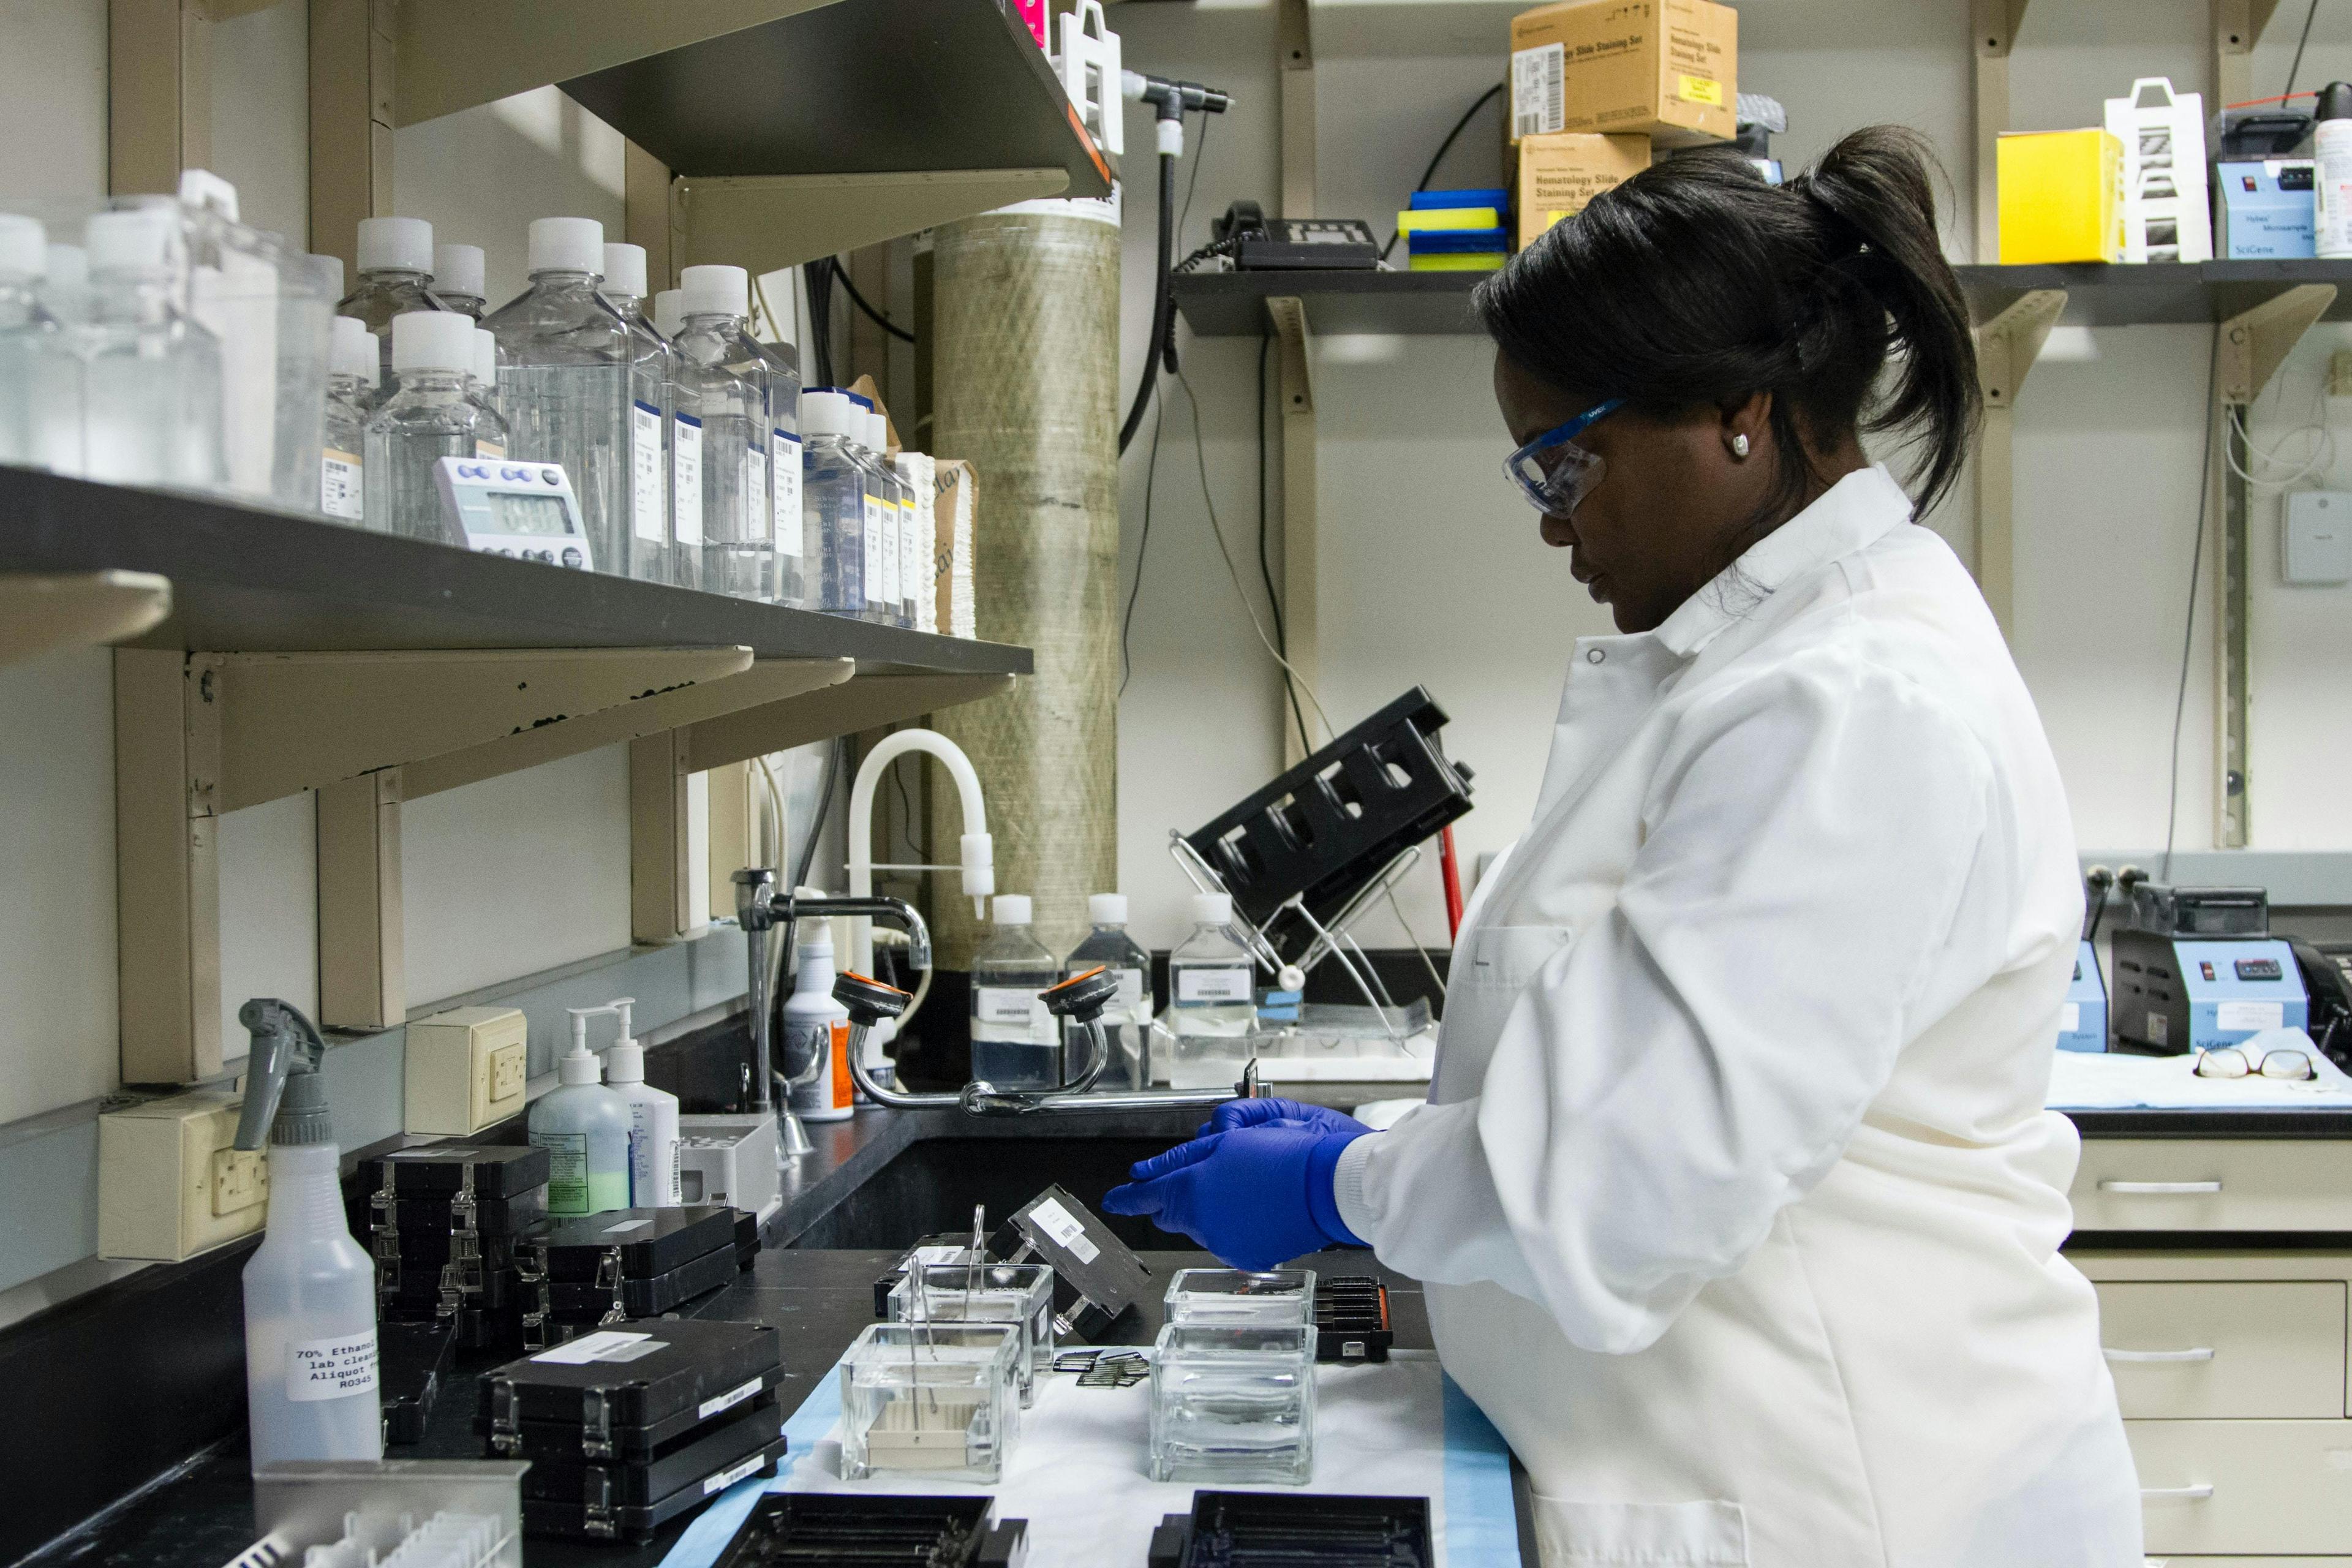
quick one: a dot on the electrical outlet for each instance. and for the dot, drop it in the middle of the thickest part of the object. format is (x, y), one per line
(467, 1068)
(171, 1183)
(240, 1179)
(509, 1065)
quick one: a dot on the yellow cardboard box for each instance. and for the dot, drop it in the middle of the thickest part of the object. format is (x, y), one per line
(1669, 69)
(2062, 196)
(1556, 174)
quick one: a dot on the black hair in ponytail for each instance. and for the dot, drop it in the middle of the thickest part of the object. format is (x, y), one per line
(1695, 282)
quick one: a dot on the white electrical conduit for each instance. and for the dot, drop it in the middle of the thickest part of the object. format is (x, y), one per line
(978, 862)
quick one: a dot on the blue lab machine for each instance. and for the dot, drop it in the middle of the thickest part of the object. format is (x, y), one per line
(2083, 1023)
(2196, 968)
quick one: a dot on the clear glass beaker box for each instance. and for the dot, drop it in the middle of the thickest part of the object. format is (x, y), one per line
(1270, 1297)
(1021, 1294)
(1234, 1403)
(937, 1399)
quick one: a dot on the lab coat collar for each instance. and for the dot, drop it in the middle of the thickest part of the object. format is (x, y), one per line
(1851, 515)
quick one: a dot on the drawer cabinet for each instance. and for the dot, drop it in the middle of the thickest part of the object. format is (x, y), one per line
(2218, 1185)
(2257, 1489)
(2183, 1350)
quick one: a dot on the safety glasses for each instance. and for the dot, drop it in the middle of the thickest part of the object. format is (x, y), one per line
(1552, 471)
(2229, 1061)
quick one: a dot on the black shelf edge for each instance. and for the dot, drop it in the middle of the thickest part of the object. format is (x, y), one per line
(800, 96)
(1414, 304)
(2186, 1123)
(245, 580)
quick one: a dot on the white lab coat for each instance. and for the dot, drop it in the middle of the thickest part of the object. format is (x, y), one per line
(1735, 1196)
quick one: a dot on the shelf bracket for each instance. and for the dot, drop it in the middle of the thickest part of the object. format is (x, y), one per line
(765, 221)
(866, 702)
(1301, 615)
(351, 84)
(40, 612)
(2253, 345)
(2007, 347)
(158, 97)
(2237, 27)
(1996, 23)
(1295, 46)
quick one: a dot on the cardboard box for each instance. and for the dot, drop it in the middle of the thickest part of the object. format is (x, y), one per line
(2061, 196)
(958, 508)
(1556, 175)
(2264, 209)
(1669, 69)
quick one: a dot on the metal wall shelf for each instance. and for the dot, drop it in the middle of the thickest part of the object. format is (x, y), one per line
(1415, 304)
(2104, 294)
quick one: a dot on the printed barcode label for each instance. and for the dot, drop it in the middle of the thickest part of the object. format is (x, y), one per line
(1064, 1228)
(611, 1344)
(339, 485)
(785, 467)
(1212, 984)
(646, 472)
(685, 478)
(759, 510)
(1539, 90)
(725, 1478)
(727, 1401)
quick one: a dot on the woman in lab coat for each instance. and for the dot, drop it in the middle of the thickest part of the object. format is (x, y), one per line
(1735, 1197)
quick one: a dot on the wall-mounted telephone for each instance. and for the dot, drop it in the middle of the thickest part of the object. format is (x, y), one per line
(1257, 243)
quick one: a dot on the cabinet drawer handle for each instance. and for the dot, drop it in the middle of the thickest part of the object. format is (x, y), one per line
(2160, 1189)
(2200, 1353)
(2197, 1493)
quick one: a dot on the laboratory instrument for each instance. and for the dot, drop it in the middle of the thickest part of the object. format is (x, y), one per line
(1212, 998)
(731, 1157)
(2082, 1017)
(652, 546)
(1234, 1403)
(653, 1121)
(2196, 968)
(428, 416)
(413, 1363)
(817, 1034)
(1015, 1043)
(787, 1529)
(1242, 1297)
(564, 362)
(832, 504)
(33, 371)
(151, 373)
(585, 1128)
(1126, 1021)
(1234, 1530)
(521, 509)
(395, 275)
(310, 1291)
(457, 271)
(352, 371)
(1351, 1318)
(976, 1291)
(939, 1399)
(723, 382)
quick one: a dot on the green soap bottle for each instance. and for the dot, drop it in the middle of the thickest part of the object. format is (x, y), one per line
(585, 1128)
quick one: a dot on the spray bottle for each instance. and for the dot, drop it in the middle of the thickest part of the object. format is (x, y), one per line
(652, 1121)
(585, 1128)
(309, 1290)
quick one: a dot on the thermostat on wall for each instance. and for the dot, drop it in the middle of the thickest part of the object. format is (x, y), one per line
(2318, 547)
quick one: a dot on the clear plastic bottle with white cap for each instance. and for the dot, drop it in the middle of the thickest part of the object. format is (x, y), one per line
(429, 415)
(563, 378)
(66, 291)
(151, 377)
(881, 517)
(1127, 1022)
(352, 374)
(395, 277)
(652, 546)
(722, 388)
(832, 504)
(685, 437)
(31, 340)
(1212, 998)
(1014, 1041)
(795, 571)
(457, 280)
(492, 438)
(897, 574)
(917, 542)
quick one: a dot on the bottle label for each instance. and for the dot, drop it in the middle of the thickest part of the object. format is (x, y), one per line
(488, 449)
(333, 1368)
(911, 551)
(875, 539)
(758, 516)
(890, 572)
(567, 1172)
(339, 485)
(646, 472)
(784, 463)
(1134, 1003)
(1008, 1014)
(686, 477)
(1208, 987)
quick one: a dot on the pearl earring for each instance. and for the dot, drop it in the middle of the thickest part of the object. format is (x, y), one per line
(1739, 446)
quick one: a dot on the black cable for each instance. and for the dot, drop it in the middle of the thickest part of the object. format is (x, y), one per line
(858, 300)
(1135, 589)
(2297, 65)
(816, 823)
(1442, 147)
(1161, 297)
(905, 809)
(819, 280)
(1265, 572)
(2188, 628)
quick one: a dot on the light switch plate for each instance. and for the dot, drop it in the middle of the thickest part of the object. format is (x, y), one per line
(467, 1068)
(2316, 547)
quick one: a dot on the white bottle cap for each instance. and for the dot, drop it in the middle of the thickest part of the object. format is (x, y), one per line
(433, 339)
(23, 247)
(329, 271)
(137, 240)
(816, 938)
(625, 1063)
(1212, 908)
(625, 270)
(457, 269)
(68, 266)
(567, 244)
(823, 414)
(1013, 909)
(396, 244)
(668, 316)
(715, 291)
(877, 432)
(485, 356)
(1107, 909)
(574, 1068)
(354, 350)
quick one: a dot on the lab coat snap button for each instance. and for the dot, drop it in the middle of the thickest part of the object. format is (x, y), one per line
(1594, 656)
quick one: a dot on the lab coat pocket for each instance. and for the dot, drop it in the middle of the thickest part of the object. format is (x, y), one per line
(1652, 1535)
(1491, 967)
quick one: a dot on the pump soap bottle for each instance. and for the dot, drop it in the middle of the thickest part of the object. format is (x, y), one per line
(654, 1177)
(309, 1290)
(585, 1128)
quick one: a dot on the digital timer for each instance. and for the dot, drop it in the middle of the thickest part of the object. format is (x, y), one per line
(522, 510)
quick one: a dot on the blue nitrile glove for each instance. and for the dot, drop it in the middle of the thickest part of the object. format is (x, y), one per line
(1255, 1196)
(1235, 1113)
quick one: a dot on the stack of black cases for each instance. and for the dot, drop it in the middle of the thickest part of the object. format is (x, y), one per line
(596, 1270)
(442, 1222)
(631, 1425)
